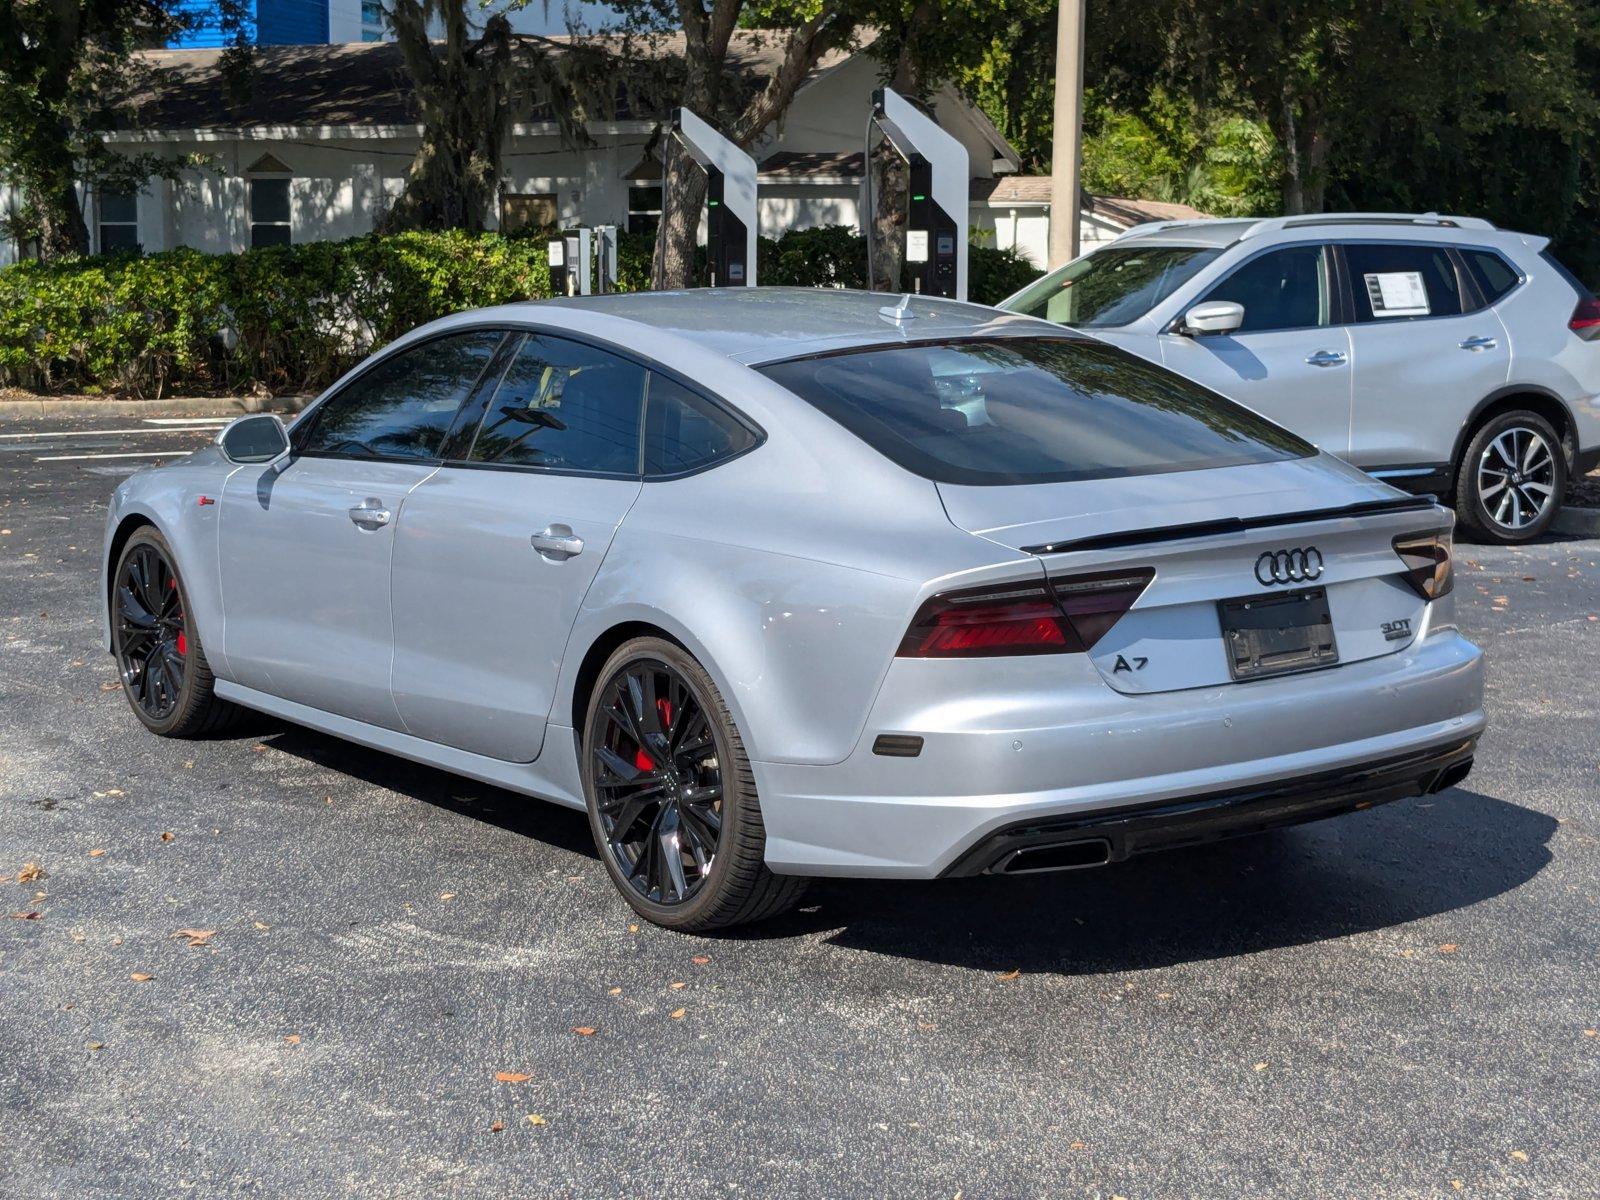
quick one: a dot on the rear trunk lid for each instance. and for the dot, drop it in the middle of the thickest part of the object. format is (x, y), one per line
(1227, 547)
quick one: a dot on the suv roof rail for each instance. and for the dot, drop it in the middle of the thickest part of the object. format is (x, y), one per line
(1312, 220)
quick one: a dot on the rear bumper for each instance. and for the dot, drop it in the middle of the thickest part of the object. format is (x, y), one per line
(1090, 839)
(1054, 744)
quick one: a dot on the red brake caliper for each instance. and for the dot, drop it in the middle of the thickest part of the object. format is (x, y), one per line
(183, 638)
(641, 760)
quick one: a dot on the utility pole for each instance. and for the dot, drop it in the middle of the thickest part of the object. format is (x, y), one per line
(1066, 151)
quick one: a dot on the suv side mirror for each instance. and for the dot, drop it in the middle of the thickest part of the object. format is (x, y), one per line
(260, 437)
(1214, 316)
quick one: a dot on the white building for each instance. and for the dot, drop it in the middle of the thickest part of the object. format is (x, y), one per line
(323, 144)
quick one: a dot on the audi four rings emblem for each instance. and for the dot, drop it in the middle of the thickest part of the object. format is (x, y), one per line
(1289, 566)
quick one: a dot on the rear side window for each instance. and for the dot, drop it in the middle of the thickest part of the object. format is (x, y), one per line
(564, 406)
(1031, 410)
(1493, 274)
(1393, 281)
(403, 406)
(1282, 289)
(685, 432)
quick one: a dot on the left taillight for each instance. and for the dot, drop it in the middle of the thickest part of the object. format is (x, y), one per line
(1065, 615)
(1427, 557)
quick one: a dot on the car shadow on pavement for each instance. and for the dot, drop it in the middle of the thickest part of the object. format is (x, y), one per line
(1349, 875)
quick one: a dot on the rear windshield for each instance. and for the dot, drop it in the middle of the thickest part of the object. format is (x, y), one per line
(1031, 410)
(1112, 286)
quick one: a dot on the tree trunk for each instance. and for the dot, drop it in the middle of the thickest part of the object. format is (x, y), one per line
(683, 193)
(888, 218)
(62, 230)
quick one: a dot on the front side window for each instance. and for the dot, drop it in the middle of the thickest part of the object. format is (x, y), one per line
(1393, 281)
(1112, 286)
(1282, 289)
(269, 212)
(1031, 410)
(564, 406)
(402, 407)
(685, 432)
(119, 222)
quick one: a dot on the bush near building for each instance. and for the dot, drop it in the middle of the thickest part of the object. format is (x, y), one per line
(293, 318)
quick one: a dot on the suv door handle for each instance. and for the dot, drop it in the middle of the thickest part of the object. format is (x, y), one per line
(1326, 358)
(370, 514)
(1478, 343)
(557, 543)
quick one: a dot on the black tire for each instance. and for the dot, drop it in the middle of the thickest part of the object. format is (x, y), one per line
(169, 649)
(1497, 501)
(735, 887)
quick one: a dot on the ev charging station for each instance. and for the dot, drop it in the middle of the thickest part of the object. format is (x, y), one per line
(731, 217)
(936, 242)
(574, 255)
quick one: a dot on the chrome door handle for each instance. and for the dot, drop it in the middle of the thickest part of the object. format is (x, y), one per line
(1479, 343)
(1326, 358)
(370, 514)
(557, 543)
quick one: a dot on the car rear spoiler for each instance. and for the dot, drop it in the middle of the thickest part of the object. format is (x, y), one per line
(1199, 529)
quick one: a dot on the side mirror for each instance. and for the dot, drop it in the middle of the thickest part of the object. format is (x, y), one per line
(260, 437)
(1214, 316)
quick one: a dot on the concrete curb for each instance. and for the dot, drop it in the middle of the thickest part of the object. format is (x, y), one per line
(49, 407)
(1580, 522)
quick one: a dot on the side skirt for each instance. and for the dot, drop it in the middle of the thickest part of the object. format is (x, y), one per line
(554, 777)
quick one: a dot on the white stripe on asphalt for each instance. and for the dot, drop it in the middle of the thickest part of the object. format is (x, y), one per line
(140, 454)
(61, 433)
(187, 420)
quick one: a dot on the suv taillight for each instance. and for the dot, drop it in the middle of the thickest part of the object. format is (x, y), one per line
(1062, 616)
(1427, 560)
(1586, 319)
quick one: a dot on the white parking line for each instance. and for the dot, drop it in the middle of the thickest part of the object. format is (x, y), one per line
(61, 433)
(138, 454)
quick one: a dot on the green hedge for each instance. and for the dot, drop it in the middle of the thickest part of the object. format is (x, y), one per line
(292, 318)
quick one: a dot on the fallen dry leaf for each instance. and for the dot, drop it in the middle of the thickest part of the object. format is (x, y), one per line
(1457, 1184)
(1260, 1066)
(96, 853)
(677, 1014)
(678, 986)
(1079, 1146)
(633, 929)
(259, 925)
(615, 992)
(536, 1119)
(926, 1025)
(31, 873)
(97, 1045)
(447, 895)
(108, 792)
(259, 748)
(110, 687)
(166, 837)
(1520, 1155)
(497, 1127)
(1591, 1033)
(700, 960)
(141, 977)
(292, 1038)
(195, 937)
(1009, 974)
(1448, 948)
(584, 1030)
(25, 916)
(511, 1077)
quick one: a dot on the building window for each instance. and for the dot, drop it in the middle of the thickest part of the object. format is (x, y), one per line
(269, 212)
(371, 20)
(644, 208)
(119, 222)
(528, 210)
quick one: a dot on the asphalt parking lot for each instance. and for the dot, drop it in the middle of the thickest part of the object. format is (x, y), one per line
(1399, 1003)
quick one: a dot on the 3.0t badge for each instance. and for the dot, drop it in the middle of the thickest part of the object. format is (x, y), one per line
(1300, 565)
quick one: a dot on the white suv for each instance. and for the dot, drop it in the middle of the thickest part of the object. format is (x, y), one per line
(1439, 353)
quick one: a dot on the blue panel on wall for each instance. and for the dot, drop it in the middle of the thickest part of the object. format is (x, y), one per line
(276, 23)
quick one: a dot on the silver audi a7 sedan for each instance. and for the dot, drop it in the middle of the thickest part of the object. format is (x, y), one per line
(783, 583)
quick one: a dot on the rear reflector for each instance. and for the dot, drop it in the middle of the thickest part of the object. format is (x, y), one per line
(1586, 319)
(1428, 563)
(1063, 616)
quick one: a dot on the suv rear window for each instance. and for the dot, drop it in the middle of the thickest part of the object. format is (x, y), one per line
(1112, 286)
(1031, 410)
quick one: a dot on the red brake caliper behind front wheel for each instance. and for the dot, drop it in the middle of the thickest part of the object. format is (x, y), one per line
(641, 760)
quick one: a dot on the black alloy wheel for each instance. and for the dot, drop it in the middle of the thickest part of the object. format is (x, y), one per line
(672, 797)
(152, 632)
(157, 647)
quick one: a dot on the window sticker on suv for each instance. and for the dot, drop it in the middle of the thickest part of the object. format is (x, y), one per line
(1397, 294)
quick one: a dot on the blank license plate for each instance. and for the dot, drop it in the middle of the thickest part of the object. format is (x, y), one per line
(1274, 635)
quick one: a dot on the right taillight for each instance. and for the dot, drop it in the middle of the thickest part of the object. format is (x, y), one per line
(1586, 319)
(1062, 616)
(1427, 559)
